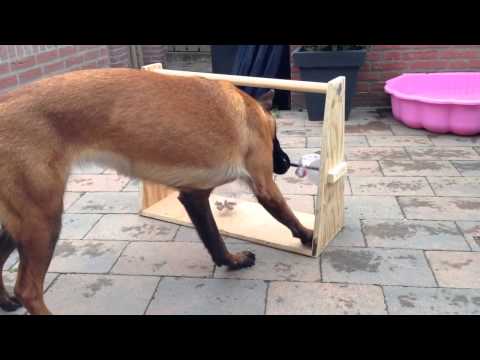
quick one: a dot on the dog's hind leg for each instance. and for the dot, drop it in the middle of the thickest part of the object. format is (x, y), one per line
(198, 208)
(7, 245)
(36, 245)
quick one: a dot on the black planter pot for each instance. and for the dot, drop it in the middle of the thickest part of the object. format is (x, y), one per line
(324, 66)
(223, 58)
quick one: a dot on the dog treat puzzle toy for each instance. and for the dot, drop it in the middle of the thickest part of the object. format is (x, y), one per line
(249, 220)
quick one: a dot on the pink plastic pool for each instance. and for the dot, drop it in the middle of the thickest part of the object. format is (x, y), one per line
(438, 102)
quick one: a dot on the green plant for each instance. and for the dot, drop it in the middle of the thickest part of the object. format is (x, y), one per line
(332, 47)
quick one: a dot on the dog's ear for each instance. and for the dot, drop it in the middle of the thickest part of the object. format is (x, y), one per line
(266, 100)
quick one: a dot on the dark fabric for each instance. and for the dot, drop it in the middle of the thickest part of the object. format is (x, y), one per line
(258, 60)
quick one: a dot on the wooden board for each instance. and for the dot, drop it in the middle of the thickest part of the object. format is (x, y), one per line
(248, 221)
(152, 193)
(329, 212)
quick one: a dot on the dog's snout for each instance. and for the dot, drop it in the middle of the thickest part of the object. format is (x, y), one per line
(281, 161)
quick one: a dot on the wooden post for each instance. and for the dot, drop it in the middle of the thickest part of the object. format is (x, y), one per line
(248, 220)
(329, 212)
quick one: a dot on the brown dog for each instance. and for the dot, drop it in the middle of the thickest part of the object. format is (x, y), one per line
(192, 134)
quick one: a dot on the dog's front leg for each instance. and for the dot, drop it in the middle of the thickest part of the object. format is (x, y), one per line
(272, 200)
(198, 208)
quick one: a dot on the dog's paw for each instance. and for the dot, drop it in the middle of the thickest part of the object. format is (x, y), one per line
(241, 260)
(307, 238)
(9, 304)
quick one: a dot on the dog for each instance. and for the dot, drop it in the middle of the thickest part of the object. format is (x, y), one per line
(187, 133)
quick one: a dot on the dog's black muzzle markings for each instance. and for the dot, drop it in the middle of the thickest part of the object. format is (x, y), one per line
(281, 161)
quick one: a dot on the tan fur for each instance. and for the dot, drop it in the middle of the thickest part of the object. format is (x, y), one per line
(188, 133)
(143, 124)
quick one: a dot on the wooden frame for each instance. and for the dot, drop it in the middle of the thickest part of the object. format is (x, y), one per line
(248, 220)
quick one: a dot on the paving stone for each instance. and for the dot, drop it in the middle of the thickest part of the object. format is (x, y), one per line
(468, 167)
(85, 256)
(12, 260)
(379, 207)
(132, 227)
(107, 202)
(292, 141)
(100, 294)
(350, 235)
(442, 153)
(456, 269)
(418, 168)
(432, 301)
(440, 208)
(168, 258)
(456, 186)
(133, 185)
(390, 186)
(291, 184)
(189, 234)
(376, 153)
(399, 128)
(96, 182)
(69, 198)
(383, 226)
(412, 234)
(471, 231)
(376, 266)
(76, 226)
(363, 168)
(453, 140)
(318, 124)
(285, 298)
(9, 281)
(305, 131)
(367, 127)
(350, 141)
(295, 115)
(182, 296)
(86, 168)
(290, 123)
(367, 112)
(398, 141)
(273, 264)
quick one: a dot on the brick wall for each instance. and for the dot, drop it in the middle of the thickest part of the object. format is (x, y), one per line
(297, 99)
(21, 64)
(387, 61)
(119, 55)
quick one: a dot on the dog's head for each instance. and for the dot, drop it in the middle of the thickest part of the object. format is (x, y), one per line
(281, 161)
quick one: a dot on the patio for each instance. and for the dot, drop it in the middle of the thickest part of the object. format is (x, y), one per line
(411, 244)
